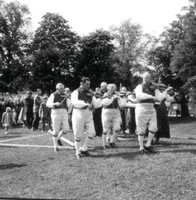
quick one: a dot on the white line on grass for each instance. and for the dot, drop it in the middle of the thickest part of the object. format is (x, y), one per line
(23, 138)
(37, 146)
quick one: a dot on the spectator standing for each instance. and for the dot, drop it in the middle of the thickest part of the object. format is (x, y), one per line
(36, 104)
(28, 109)
(44, 113)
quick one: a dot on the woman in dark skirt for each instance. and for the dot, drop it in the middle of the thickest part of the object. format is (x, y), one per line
(162, 120)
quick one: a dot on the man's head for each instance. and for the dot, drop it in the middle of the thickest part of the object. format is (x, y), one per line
(60, 88)
(29, 93)
(39, 91)
(85, 83)
(146, 78)
(111, 88)
(123, 90)
(104, 86)
(67, 90)
(45, 98)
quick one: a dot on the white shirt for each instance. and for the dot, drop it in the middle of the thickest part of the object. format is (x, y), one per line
(140, 95)
(50, 103)
(96, 103)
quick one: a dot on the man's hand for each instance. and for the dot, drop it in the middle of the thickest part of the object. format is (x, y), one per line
(56, 104)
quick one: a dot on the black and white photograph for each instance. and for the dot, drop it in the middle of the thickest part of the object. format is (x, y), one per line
(98, 99)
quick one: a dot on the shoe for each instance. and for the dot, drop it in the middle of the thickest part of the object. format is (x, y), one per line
(149, 149)
(113, 145)
(106, 147)
(59, 142)
(56, 149)
(84, 153)
(6, 133)
(143, 151)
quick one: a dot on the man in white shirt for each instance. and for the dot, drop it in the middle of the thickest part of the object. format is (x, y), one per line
(111, 117)
(83, 102)
(59, 102)
(146, 119)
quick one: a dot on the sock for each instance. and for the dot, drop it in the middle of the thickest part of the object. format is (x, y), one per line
(150, 137)
(55, 142)
(86, 143)
(113, 138)
(60, 134)
(77, 146)
(141, 141)
(104, 136)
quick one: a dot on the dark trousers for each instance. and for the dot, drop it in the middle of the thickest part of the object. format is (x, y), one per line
(29, 120)
(44, 123)
(123, 117)
(132, 124)
(36, 119)
(97, 121)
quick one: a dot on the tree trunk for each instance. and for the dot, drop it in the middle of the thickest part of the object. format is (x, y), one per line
(184, 107)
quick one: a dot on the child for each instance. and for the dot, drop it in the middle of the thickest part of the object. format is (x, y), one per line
(7, 119)
(44, 113)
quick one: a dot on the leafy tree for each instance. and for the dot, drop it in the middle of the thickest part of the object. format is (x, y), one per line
(95, 59)
(130, 48)
(184, 56)
(54, 53)
(14, 37)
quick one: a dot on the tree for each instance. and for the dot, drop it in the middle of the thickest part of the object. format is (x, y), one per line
(184, 56)
(95, 57)
(129, 42)
(14, 37)
(54, 52)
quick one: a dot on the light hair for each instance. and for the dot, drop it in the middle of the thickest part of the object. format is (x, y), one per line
(59, 85)
(109, 86)
(103, 84)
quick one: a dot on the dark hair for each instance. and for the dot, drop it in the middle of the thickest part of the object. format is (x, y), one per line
(84, 79)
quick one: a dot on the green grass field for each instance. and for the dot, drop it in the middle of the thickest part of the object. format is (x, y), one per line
(117, 174)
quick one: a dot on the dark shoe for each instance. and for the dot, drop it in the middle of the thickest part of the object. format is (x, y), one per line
(106, 147)
(84, 153)
(143, 151)
(149, 149)
(113, 145)
(59, 142)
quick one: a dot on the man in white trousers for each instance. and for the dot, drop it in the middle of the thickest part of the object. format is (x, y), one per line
(59, 102)
(145, 113)
(83, 102)
(111, 117)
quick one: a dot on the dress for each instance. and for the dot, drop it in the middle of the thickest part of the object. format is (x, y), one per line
(7, 119)
(162, 121)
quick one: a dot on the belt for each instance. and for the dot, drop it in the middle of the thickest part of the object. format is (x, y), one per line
(83, 108)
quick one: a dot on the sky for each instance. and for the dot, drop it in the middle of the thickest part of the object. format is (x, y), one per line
(85, 16)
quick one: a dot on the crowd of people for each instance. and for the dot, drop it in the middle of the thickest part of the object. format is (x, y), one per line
(103, 113)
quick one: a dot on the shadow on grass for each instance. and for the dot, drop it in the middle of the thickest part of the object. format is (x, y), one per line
(10, 136)
(17, 198)
(124, 155)
(11, 166)
(192, 151)
(184, 120)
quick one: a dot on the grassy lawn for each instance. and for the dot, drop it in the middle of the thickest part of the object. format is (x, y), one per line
(122, 173)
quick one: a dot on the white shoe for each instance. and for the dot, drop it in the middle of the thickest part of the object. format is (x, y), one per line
(51, 132)
(6, 133)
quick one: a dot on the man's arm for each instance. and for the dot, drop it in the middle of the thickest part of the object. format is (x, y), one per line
(140, 95)
(76, 102)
